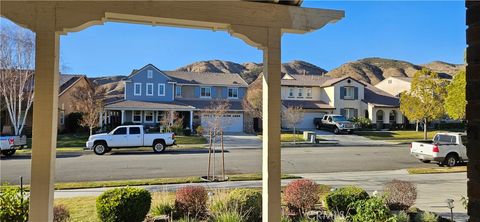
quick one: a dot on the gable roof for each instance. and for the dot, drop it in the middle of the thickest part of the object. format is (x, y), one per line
(334, 81)
(303, 80)
(379, 98)
(68, 80)
(136, 71)
(207, 78)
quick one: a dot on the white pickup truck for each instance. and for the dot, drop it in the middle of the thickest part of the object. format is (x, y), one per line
(10, 144)
(129, 136)
(445, 149)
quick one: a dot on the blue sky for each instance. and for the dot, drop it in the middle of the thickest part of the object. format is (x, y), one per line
(415, 31)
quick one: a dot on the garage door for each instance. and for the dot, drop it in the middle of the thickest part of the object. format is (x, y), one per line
(307, 122)
(232, 122)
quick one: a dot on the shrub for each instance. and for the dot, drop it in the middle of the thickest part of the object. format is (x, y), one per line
(373, 209)
(14, 207)
(248, 202)
(400, 195)
(61, 213)
(199, 130)
(340, 199)
(362, 122)
(123, 204)
(426, 217)
(191, 201)
(162, 209)
(401, 216)
(230, 215)
(301, 195)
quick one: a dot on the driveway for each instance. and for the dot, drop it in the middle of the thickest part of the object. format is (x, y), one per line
(244, 141)
(351, 139)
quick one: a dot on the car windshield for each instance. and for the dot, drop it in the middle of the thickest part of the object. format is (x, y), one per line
(339, 118)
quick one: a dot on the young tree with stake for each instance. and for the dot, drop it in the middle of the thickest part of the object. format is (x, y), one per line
(292, 116)
(89, 100)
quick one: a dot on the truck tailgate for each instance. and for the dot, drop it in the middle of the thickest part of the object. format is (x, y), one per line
(422, 148)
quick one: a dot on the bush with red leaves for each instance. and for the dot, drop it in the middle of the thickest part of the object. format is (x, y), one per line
(301, 196)
(191, 201)
(400, 195)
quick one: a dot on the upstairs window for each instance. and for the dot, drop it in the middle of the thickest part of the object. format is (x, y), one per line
(233, 93)
(300, 93)
(178, 91)
(349, 92)
(149, 89)
(290, 92)
(205, 92)
(161, 89)
(137, 89)
(309, 92)
(149, 74)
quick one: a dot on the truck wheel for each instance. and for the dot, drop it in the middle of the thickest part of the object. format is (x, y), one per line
(451, 160)
(426, 161)
(336, 130)
(158, 146)
(100, 148)
(8, 152)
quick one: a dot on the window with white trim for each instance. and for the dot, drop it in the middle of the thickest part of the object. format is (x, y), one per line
(160, 115)
(137, 116)
(148, 116)
(349, 92)
(300, 93)
(291, 92)
(205, 92)
(137, 89)
(178, 91)
(233, 93)
(149, 89)
(309, 92)
(149, 74)
(161, 89)
(62, 117)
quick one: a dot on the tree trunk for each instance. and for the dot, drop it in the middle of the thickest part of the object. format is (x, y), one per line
(416, 126)
(91, 130)
(425, 129)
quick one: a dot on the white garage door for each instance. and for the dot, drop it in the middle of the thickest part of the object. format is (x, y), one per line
(307, 122)
(232, 122)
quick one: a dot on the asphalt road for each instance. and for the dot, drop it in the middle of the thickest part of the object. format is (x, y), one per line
(135, 165)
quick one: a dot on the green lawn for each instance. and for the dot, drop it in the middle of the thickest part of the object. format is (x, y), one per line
(290, 137)
(183, 140)
(457, 169)
(156, 181)
(399, 135)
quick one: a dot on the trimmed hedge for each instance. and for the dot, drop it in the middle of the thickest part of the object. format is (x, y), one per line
(248, 202)
(123, 204)
(340, 199)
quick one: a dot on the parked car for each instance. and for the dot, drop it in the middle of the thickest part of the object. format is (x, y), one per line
(128, 137)
(335, 123)
(10, 144)
(445, 149)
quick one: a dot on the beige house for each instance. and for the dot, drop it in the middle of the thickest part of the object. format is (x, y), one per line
(395, 85)
(319, 95)
(67, 86)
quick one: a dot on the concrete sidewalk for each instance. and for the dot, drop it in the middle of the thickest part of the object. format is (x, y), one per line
(433, 189)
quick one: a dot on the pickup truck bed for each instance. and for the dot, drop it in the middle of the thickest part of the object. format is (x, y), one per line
(445, 149)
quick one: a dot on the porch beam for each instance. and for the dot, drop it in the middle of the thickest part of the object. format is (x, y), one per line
(271, 126)
(45, 117)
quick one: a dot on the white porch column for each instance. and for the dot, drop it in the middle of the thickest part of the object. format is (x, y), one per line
(271, 127)
(45, 117)
(191, 120)
(100, 120)
(123, 116)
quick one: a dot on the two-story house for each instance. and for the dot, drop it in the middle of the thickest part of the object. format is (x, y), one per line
(319, 95)
(395, 85)
(151, 93)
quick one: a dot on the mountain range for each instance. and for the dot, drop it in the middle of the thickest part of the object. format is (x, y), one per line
(371, 70)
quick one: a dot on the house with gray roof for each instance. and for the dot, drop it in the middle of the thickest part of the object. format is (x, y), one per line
(394, 85)
(319, 95)
(150, 94)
